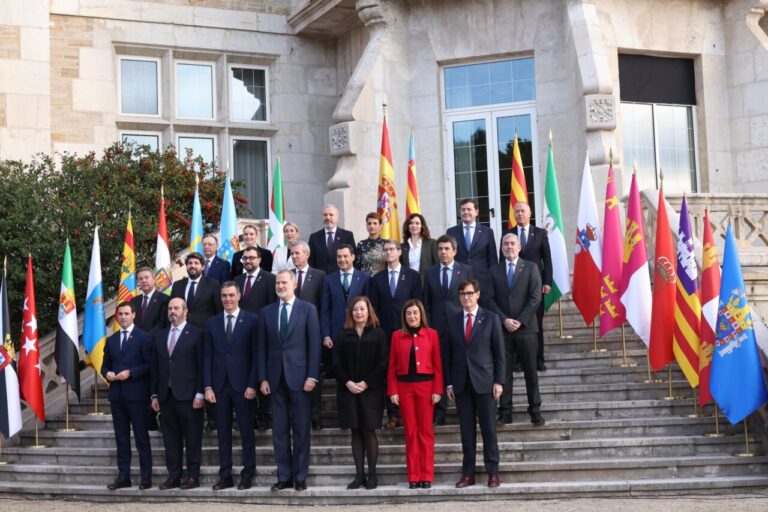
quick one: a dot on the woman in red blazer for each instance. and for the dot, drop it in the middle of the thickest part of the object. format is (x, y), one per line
(415, 383)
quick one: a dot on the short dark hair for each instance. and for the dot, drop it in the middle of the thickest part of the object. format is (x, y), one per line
(447, 239)
(124, 304)
(469, 282)
(195, 256)
(252, 248)
(230, 284)
(346, 246)
(373, 215)
(145, 269)
(409, 304)
(469, 200)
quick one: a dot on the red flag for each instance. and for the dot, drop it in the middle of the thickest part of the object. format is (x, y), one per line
(588, 253)
(664, 289)
(518, 190)
(612, 313)
(30, 373)
(710, 297)
(386, 205)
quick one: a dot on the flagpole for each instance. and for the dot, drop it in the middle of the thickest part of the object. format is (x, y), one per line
(746, 452)
(37, 437)
(66, 410)
(670, 396)
(717, 432)
(96, 411)
(695, 407)
(625, 364)
(650, 379)
(594, 337)
(560, 314)
(2, 462)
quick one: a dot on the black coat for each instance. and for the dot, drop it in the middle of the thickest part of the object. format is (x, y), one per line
(237, 261)
(359, 358)
(206, 303)
(156, 316)
(319, 256)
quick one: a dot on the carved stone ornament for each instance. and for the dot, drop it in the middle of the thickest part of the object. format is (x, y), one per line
(338, 135)
(601, 111)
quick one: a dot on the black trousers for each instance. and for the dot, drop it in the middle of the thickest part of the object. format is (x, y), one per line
(522, 346)
(227, 400)
(182, 428)
(540, 334)
(126, 416)
(476, 408)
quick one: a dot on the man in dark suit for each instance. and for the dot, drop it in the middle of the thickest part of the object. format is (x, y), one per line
(230, 381)
(515, 295)
(534, 247)
(324, 243)
(213, 266)
(339, 288)
(151, 306)
(476, 243)
(202, 294)
(441, 298)
(177, 393)
(473, 364)
(251, 238)
(289, 367)
(258, 287)
(125, 365)
(309, 288)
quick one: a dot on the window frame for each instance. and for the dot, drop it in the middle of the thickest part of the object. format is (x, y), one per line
(158, 64)
(231, 170)
(214, 92)
(490, 106)
(197, 135)
(159, 135)
(267, 113)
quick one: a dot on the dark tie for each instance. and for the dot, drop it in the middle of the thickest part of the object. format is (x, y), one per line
(191, 293)
(510, 275)
(445, 279)
(248, 285)
(124, 340)
(300, 282)
(392, 282)
(144, 305)
(284, 321)
(207, 266)
(230, 318)
(468, 329)
(329, 241)
(345, 282)
(523, 239)
(174, 339)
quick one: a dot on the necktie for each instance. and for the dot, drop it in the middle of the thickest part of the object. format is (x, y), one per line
(230, 318)
(174, 338)
(392, 282)
(300, 282)
(284, 321)
(191, 293)
(345, 282)
(207, 266)
(523, 239)
(248, 285)
(124, 340)
(510, 274)
(468, 329)
(445, 279)
(329, 241)
(144, 305)
(467, 237)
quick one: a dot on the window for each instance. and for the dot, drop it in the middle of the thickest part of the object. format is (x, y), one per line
(200, 145)
(249, 157)
(194, 90)
(248, 94)
(139, 87)
(490, 83)
(142, 139)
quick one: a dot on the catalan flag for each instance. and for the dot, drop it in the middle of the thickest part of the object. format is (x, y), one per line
(612, 313)
(386, 206)
(518, 191)
(196, 229)
(685, 335)
(664, 286)
(710, 296)
(163, 277)
(94, 324)
(412, 204)
(127, 289)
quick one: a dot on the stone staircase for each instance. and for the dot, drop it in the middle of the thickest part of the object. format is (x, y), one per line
(608, 433)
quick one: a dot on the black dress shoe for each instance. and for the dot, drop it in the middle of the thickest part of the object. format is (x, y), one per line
(517, 368)
(300, 485)
(538, 420)
(245, 483)
(224, 483)
(357, 483)
(505, 419)
(146, 483)
(317, 426)
(414, 485)
(541, 367)
(190, 483)
(171, 483)
(280, 486)
(425, 484)
(371, 482)
(439, 420)
(210, 426)
(120, 482)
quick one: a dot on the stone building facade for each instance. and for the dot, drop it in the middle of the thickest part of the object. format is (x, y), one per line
(678, 86)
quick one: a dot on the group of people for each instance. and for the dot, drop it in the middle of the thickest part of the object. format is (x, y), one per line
(400, 327)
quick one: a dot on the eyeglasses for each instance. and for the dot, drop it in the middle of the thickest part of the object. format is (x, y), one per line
(249, 258)
(466, 294)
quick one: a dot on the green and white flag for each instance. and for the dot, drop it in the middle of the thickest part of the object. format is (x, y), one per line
(553, 223)
(67, 352)
(275, 237)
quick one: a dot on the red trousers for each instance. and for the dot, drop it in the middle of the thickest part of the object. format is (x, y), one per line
(416, 413)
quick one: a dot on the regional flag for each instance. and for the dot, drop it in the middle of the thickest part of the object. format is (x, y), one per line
(10, 401)
(635, 279)
(612, 313)
(664, 287)
(685, 335)
(230, 243)
(710, 297)
(588, 258)
(67, 353)
(275, 238)
(196, 229)
(386, 206)
(163, 277)
(94, 325)
(518, 191)
(553, 223)
(737, 382)
(30, 369)
(412, 204)
(127, 289)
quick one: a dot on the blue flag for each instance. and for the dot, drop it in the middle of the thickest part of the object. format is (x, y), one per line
(196, 230)
(229, 241)
(737, 381)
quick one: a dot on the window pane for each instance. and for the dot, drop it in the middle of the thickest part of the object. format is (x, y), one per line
(674, 124)
(250, 159)
(637, 127)
(470, 164)
(248, 91)
(489, 83)
(200, 146)
(506, 127)
(141, 139)
(138, 87)
(194, 86)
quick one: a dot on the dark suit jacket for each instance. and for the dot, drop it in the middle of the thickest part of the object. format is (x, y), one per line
(482, 255)
(298, 356)
(237, 261)
(440, 306)
(233, 361)
(389, 309)
(521, 302)
(262, 291)
(482, 359)
(156, 316)
(318, 250)
(136, 356)
(536, 251)
(333, 306)
(218, 270)
(428, 255)
(184, 370)
(206, 303)
(312, 286)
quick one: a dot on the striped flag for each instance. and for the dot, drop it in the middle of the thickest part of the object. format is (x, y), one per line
(163, 277)
(553, 223)
(230, 243)
(127, 289)
(30, 369)
(94, 325)
(612, 313)
(386, 205)
(412, 193)
(635, 279)
(710, 296)
(10, 400)
(67, 352)
(196, 229)
(518, 191)
(276, 210)
(685, 335)
(664, 286)
(587, 260)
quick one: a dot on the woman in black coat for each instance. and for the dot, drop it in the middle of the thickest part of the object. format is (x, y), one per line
(360, 358)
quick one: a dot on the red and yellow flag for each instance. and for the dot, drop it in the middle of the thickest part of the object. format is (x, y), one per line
(412, 194)
(518, 191)
(127, 289)
(664, 285)
(386, 205)
(612, 312)
(685, 335)
(710, 297)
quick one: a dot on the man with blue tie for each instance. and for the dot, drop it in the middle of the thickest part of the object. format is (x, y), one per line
(476, 243)
(126, 365)
(230, 380)
(338, 288)
(289, 368)
(214, 267)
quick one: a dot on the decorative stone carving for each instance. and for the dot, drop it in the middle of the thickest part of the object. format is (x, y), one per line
(338, 135)
(370, 12)
(600, 111)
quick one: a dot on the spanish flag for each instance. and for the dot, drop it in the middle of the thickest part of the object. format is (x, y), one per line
(518, 191)
(386, 206)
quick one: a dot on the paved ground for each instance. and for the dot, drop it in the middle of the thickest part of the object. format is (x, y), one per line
(733, 503)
